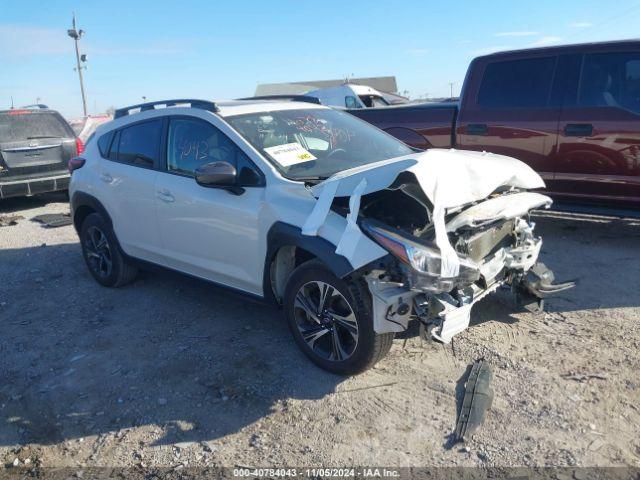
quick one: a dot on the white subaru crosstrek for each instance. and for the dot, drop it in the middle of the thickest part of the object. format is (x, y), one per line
(351, 231)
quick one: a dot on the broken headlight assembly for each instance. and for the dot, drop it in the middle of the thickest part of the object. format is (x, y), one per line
(421, 262)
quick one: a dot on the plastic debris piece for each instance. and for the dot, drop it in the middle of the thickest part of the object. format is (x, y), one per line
(478, 396)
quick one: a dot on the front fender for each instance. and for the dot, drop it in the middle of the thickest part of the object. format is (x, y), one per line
(283, 234)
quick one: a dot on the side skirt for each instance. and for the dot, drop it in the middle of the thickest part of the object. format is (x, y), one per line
(241, 294)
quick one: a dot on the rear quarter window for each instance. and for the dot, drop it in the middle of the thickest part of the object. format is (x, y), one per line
(104, 143)
(522, 83)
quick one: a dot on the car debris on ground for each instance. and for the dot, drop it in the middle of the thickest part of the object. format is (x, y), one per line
(10, 220)
(478, 396)
(53, 220)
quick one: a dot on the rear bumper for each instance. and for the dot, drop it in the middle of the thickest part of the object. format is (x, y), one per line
(33, 186)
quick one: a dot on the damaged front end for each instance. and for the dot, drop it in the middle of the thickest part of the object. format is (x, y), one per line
(456, 226)
(495, 249)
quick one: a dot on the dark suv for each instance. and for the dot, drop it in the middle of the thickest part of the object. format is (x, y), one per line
(35, 148)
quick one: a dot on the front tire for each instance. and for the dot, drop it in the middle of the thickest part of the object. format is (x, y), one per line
(102, 253)
(331, 320)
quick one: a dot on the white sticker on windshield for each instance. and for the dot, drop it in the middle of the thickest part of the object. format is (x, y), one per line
(289, 154)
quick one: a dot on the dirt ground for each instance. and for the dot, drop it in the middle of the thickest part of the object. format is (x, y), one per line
(172, 372)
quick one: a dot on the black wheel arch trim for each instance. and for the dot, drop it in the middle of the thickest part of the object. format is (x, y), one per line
(82, 199)
(283, 234)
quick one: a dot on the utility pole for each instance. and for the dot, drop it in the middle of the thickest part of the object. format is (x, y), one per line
(451, 84)
(76, 35)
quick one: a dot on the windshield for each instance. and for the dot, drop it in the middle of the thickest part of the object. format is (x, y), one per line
(315, 143)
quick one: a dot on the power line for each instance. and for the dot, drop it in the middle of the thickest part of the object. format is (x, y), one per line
(598, 27)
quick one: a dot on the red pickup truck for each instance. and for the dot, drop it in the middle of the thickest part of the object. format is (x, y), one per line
(571, 112)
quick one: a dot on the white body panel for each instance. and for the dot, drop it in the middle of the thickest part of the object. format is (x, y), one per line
(128, 193)
(211, 233)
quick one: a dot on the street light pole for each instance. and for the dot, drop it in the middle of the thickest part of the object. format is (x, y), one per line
(76, 35)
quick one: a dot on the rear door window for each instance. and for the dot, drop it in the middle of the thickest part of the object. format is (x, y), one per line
(139, 144)
(611, 80)
(517, 83)
(20, 125)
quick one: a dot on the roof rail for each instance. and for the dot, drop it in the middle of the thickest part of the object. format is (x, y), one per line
(143, 107)
(291, 98)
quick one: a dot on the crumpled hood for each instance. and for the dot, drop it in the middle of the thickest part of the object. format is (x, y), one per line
(480, 172)
(449, 178)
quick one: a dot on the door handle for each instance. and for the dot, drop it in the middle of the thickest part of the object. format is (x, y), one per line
(166, 196)
(106, 178)
(578, 130)
(477, 129)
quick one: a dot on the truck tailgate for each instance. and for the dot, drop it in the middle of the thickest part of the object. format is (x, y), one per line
(425, 125)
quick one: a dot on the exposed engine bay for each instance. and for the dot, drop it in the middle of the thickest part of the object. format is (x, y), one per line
(456, 227)
(494, 253)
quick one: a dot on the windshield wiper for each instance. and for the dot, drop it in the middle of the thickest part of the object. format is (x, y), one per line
(43, 136)
(306, 179)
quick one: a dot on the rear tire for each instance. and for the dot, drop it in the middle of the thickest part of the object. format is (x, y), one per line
(102, 254)
(335, 333)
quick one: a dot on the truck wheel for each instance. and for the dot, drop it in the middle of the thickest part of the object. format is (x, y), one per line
(102, 253)
(331, 320)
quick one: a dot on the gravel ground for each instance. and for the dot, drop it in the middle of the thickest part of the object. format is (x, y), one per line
(171, 372)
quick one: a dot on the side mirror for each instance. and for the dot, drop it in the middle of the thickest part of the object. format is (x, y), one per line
(216, 174)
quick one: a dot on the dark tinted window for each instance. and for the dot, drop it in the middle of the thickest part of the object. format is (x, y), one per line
(140, 144)
(27, 124)
(517, 83)
(611, 80)
(565, 82)
(248, 173)
(113, 151)
(373, 101)
(104, 142)
(192, 143)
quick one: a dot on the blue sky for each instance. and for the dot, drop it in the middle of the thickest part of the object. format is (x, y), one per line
(212, 49)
